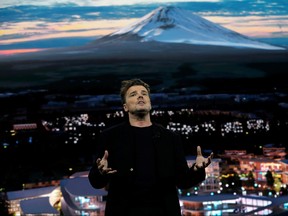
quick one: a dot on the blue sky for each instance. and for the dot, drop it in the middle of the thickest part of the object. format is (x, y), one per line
(30, 24)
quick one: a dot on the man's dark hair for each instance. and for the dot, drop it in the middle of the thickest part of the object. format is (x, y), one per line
(126, 84)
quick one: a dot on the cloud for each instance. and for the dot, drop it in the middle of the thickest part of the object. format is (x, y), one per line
(10, 3)
(48, 19)
(38, 30)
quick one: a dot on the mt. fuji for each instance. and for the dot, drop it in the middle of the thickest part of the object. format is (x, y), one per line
(174, 25)
(168, 42)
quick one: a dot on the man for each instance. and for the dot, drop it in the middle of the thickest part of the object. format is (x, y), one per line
(141, 163)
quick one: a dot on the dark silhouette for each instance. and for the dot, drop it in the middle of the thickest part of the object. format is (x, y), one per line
(269, 179)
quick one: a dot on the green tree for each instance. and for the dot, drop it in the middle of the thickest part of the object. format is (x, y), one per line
(231, 181)
(251, 179)
(269, 178)
(3, 204)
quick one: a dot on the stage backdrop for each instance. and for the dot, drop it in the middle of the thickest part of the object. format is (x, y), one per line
(224, 60)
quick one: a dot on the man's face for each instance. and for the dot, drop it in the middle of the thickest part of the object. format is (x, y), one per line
(137, 100)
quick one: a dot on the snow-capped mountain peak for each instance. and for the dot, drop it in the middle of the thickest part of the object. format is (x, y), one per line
(174, 25)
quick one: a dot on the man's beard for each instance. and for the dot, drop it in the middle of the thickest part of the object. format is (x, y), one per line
(141, 113)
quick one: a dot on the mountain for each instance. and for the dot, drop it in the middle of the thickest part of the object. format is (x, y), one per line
(174, 25)
(171, 47)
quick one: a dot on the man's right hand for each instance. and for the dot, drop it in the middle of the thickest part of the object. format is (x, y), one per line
(102, 165)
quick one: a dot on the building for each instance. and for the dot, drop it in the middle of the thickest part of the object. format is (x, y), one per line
(228, 204)
(36, 201)
(80, 198)
(75, 196)
(284, 165)
(274, 152)
(260, 166)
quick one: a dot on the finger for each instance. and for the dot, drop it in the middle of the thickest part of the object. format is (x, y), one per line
(104, 171)
(112, 171)
(208, 162)
(98, 161)
(209, 159)
(199, 153)
(108, 171)
(100, 167)
(196, 167)
(105, 156)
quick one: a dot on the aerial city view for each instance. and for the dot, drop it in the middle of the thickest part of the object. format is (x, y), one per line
(216, 71)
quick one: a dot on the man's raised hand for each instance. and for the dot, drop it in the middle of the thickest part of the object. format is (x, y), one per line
(201, 162)
(103, 165)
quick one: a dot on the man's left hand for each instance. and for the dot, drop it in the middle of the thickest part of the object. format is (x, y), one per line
(201, 162)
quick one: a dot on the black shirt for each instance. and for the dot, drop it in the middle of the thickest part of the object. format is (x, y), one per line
(144, 157)
(147, 200)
